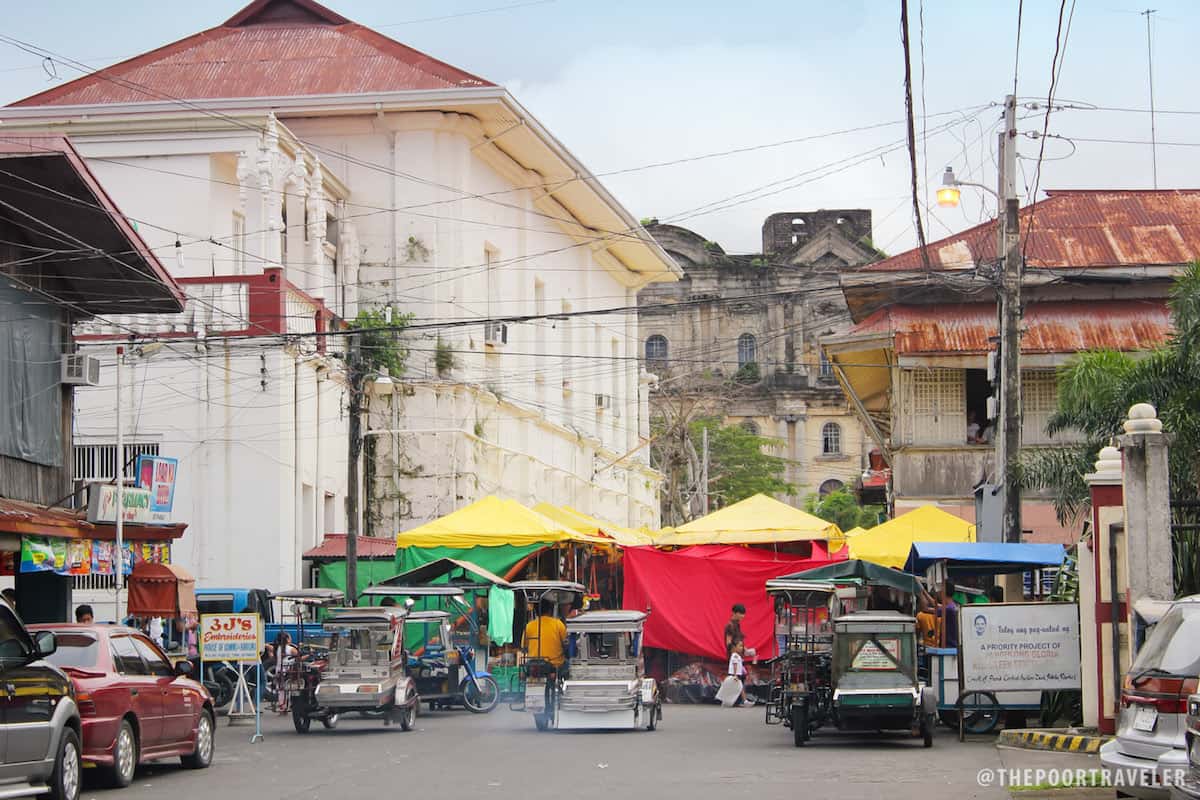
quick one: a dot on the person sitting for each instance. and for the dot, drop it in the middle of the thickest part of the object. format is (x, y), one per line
(545, 637)
(972, 428)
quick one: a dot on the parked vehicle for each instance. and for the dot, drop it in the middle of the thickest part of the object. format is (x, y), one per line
(443, 665)
(1189, 787)
(1151, 736)
(40, 726)
(855, 672)
(134, 706)
(366, 671)
(602, 682)
(606, 686)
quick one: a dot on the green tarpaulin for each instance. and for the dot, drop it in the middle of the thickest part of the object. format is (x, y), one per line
(332, 574)
(854, 569)
(501, 604)
(494, 559)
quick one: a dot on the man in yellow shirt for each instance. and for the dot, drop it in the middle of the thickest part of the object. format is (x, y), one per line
(546, 637)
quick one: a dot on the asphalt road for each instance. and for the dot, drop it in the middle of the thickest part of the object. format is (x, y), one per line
(699, 752)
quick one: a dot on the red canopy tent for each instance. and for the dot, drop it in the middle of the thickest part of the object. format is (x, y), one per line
(690, 593)
(161, 590)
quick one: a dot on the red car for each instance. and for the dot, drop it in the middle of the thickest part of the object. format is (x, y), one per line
(134, 706)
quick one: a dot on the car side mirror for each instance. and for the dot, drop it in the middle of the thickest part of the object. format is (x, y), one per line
(183, 668)
(45, 644)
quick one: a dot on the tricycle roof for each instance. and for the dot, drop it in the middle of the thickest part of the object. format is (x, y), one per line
(426, 616)
(542, 586)
(866, 619)
(413, 591)
(365, 615)
(608, 621)
(788, 587)
(311, 596)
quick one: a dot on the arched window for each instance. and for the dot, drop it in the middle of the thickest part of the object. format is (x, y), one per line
(831, 439)
(830, 486)
(656, 349)
(747, 349)
(750, 426)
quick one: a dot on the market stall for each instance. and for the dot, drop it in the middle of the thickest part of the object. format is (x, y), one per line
(161, 590)
(888, 544)
(758, 520)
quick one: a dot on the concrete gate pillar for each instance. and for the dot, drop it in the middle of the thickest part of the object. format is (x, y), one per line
(1103, 664)
(1146, 484)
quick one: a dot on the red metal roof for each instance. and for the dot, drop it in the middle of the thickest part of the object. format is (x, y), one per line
(334, 546)
(271, 48)
(1080, 228)
(1050, 327)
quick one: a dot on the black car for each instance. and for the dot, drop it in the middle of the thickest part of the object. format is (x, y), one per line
(40, 726)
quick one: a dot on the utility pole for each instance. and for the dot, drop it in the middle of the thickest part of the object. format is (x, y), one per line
(1150, 63)
(1008, 249)
(354, 374)
(119, 556)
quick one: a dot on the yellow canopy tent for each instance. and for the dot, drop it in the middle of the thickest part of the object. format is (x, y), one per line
(593, 527)
(490, 522)
(756, 520)
(889, 544)
(855, 532)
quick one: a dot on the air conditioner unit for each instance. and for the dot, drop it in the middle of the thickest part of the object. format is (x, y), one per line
(603, 401)
(993, 366)
(80, 370)
(495, 333)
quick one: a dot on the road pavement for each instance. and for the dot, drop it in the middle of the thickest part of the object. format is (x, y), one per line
(699, 753)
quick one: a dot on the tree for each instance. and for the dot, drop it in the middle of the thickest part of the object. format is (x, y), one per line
(1095, 392)
(740, 463)
(841, 508)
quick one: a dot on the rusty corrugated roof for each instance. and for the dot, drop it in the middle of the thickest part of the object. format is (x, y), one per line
(1062, 326)
(1080, 229)
(272, 48)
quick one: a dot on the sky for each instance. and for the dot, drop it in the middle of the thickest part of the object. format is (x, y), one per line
(627, 85)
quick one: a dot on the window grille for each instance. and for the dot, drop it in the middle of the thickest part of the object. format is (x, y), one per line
(934, 411)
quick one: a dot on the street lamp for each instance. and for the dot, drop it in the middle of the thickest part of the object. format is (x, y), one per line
(950, 193)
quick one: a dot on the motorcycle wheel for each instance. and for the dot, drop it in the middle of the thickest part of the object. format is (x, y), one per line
(330, 722)
(300, 718)
(481, 695)
(799, 725)
(221, 689)
(408, 717)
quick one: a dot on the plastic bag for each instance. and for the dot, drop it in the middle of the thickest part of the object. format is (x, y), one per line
(730, 691)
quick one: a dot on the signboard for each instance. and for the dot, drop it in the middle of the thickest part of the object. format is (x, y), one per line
(157, 474)
(870, 657)
(230, 637)
(102, 503)
(1009, 647)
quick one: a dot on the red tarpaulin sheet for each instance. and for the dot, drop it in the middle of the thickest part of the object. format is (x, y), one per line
(690, 593)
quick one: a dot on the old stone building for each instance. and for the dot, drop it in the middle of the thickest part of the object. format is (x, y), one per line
(743, 339)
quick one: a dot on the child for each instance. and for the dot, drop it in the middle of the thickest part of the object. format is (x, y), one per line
(736, 668)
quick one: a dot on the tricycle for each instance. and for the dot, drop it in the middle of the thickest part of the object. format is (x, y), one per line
(605, 686)
(365, 670)
(443, 664)
(855, 671)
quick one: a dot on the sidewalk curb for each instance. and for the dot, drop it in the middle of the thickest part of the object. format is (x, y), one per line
(1051, 739)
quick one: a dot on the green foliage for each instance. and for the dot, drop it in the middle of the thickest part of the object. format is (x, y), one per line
(759, 262)
(443, 358)
(379, 343)
(740, 465)
(1095, 392)
(747, 374)
(648, 221)
(842, 509)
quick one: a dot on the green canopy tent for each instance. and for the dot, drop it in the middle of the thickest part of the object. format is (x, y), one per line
(856, 571)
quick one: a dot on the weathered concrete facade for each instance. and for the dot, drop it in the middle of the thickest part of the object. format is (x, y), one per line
(761, 331)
